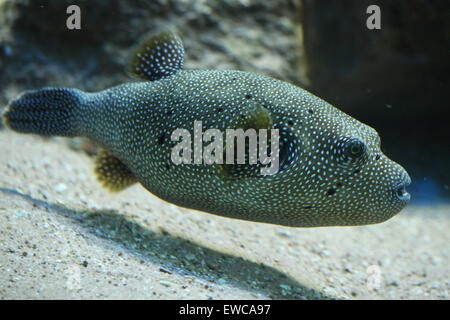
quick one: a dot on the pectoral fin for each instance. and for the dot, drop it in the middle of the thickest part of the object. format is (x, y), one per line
(252, 116)
(255, 116)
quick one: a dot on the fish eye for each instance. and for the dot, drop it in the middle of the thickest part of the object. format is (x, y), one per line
(355, 148)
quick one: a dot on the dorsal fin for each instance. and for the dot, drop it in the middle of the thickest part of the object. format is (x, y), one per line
(160, 56)
(112, 173)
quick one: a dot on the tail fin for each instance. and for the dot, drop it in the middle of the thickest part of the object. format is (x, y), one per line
(47, 112)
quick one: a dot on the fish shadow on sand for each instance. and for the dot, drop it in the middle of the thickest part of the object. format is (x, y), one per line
(182, 256)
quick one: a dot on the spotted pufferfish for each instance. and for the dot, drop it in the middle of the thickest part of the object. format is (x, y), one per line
(331, 169)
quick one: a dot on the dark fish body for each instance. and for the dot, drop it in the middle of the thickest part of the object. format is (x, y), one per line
(332, 171)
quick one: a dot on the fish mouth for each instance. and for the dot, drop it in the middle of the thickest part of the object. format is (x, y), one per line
(400, 190)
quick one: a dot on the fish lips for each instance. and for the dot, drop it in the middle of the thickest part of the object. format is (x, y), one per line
(400, 192)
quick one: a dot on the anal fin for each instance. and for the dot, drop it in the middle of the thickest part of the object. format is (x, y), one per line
(112, 173)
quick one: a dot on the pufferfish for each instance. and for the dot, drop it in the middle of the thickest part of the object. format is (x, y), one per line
(331, 168)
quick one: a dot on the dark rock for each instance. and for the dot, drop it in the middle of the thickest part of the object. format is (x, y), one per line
(38, 50)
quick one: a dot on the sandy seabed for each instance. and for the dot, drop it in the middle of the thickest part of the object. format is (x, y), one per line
(63, 237)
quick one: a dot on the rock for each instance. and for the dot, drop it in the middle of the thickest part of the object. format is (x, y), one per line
(38, 50)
